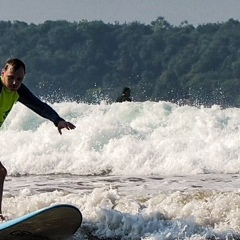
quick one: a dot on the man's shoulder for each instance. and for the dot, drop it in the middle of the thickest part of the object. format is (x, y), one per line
(23, 89)
(119, 99)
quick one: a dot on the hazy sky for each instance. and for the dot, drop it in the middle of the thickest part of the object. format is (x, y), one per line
(174, 11)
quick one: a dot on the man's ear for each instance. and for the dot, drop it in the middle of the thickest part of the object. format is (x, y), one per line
(2, 72)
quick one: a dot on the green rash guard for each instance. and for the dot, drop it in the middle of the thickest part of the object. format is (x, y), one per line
(26, 97)
(7, 99)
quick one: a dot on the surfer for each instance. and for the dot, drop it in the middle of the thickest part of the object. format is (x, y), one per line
(12, 90)
(126, 95)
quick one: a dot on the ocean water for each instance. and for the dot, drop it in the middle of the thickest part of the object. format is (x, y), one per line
(150, 170)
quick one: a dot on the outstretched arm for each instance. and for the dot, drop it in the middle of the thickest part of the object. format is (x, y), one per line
(27, 98)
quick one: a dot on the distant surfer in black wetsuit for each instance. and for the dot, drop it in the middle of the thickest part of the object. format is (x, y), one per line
(126, 95)
(12, 90)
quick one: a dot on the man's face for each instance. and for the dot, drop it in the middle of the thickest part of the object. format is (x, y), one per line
(127, 93)
(13, 79)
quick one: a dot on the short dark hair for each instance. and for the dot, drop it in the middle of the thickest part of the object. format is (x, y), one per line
(126, 89)
(16, 64)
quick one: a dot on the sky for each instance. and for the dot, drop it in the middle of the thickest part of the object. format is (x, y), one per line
(195, 12)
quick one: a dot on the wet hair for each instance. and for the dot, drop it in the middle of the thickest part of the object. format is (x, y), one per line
(16, 64)
(126, 89)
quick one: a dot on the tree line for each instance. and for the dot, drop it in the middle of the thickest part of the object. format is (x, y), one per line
(91, 61)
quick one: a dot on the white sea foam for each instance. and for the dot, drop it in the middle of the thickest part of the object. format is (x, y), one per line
(151, 170)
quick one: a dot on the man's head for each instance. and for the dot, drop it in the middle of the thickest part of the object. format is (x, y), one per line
(127, 91)
(13, 74)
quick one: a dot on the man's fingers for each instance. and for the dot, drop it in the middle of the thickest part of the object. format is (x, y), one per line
(67, 125)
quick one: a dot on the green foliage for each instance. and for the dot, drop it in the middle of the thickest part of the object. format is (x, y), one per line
(93, 61)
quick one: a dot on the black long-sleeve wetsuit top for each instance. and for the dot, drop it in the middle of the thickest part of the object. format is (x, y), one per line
(26, 97)
(123, 98)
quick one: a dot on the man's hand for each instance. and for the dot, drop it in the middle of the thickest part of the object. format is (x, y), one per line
(64, 124)
(2, 218)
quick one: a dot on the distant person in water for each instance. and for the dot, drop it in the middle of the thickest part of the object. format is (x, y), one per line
(12, 90)
(126, 95)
